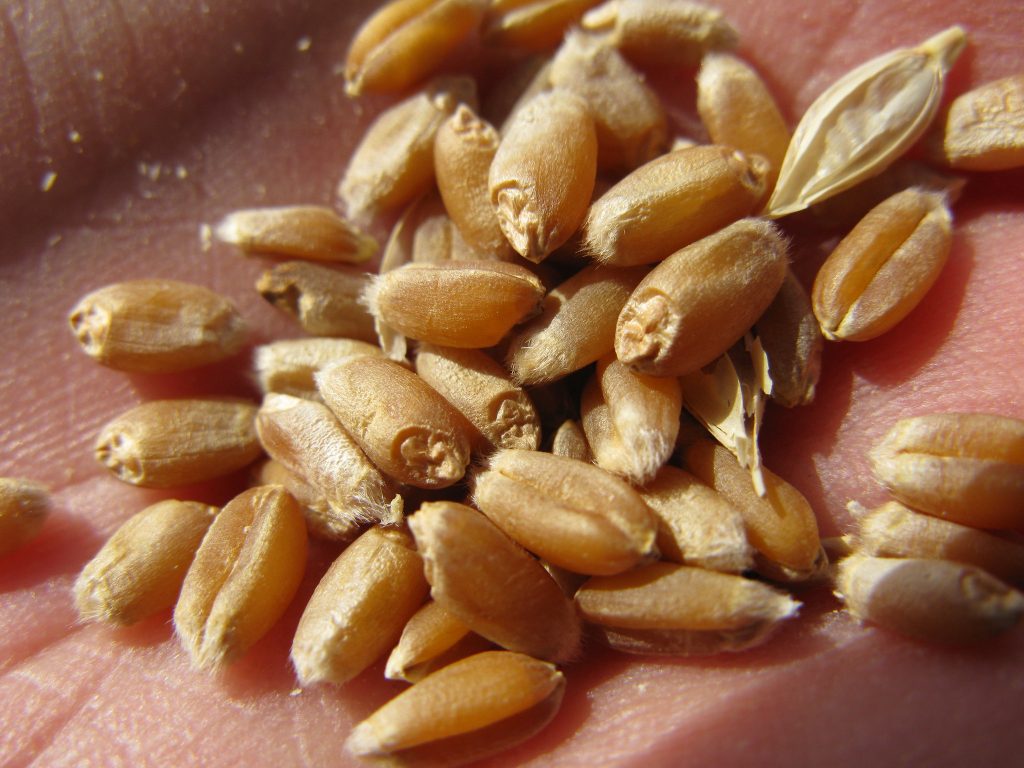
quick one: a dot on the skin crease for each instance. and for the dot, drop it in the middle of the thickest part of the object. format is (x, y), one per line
(198, 114)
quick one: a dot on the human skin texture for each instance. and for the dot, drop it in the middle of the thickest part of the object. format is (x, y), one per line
(157, 118)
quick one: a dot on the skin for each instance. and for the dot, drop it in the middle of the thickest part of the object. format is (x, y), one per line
(263, 122)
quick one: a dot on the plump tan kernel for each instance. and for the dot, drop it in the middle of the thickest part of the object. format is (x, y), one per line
(534, 25)
(243, 577)
(394, 162)
(698, 302)
(661, 32)
(780, 526)
(359, 607)
(738, 110)
(696, 524)
(298, 231)
(930, 600)
(681, 610)
(140, 569)
(984, 129)
(570, 441)
(670, 203)
(965, 467)
(406, 41)
(430, 633)
(164, 443)
(156, 326)
(463, 151)
(543, 173)
(864, 121)
(321, 521)
(465, 711)
(482, 391)
(24, 506)
(893, 530)
(287, 366)
(630, 420)
(307, 439)
(324, 300)
(406, 428)
(792, 341)
(572, 514)
(492, 585)
(465, 304)
(630, 122)
(884, 267)
(575, 327)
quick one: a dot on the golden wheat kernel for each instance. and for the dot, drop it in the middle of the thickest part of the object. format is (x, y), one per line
(156, 326)
(543, 173)
(463, 150)
(406, 41)
(358, 609)
(465, 711)
(984, 128)
(631, 124)
(492, 584)
(575, 327)
(660, 33)
(394, 162)
(243, 576)
(890, 99)
(464, 304)
(140, 569)
(792, 341)
(630, 420)
(965, 467)
(287, 366)
(24, 507)
(930, 600)
(299, 231)
(894, 530)
(324, 300)
(482, 391)
(701, 300)
(406, 428)
(429, 633)
(532, 25)
(696, 524)
(675, 609)
(321, 521)
(670, 203)
(738, 110)
(781, 526)
(881, 270)
(572, 514)
(570, 441)
(306, 438)
(164, 443)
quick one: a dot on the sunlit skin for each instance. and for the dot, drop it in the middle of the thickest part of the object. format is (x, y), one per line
(155, 128)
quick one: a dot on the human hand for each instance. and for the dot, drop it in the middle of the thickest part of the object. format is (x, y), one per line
(204, 113)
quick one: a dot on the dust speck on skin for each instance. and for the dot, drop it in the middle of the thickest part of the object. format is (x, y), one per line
(205, 237)
(47, 181)
(303, 44)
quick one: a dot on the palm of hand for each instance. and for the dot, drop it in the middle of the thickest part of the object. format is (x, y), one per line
(270, 125)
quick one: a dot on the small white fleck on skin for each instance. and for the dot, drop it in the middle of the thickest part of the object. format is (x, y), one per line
(47, 181)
